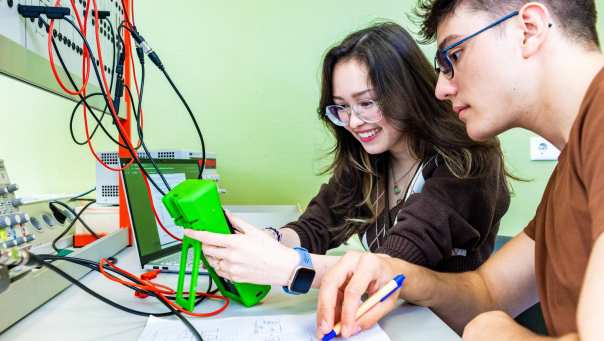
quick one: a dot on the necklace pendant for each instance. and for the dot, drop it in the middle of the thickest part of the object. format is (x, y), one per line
(397, 190)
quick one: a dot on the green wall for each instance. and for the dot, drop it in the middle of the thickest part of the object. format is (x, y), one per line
(250, 70)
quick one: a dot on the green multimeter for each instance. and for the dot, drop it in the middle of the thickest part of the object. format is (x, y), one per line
(195, 204)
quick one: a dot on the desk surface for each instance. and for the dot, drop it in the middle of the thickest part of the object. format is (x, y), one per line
(75, 315)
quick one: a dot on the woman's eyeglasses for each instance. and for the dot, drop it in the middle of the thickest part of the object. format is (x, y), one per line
(366, 110)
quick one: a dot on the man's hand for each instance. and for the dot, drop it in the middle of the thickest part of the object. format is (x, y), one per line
(496, 326)
(342, 287)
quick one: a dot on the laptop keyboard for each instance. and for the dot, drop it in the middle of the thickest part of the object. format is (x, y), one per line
(174, 260)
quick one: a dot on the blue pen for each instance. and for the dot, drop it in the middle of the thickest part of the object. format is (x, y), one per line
(380, 296)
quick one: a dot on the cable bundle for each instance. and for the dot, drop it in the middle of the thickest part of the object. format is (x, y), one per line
(89, 62)
(163, 293)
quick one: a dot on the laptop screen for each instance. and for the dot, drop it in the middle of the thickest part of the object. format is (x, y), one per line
(152, 241)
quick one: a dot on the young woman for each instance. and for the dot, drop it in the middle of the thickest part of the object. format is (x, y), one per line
(406, 178)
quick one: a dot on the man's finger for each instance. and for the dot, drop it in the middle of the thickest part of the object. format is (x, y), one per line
(328, 293)
(355, 289)
(357, 286)
(338, 311)
(372, 317)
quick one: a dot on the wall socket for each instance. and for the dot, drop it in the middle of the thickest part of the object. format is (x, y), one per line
(543, 150)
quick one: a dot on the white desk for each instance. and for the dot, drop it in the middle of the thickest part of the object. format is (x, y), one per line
(75, 315)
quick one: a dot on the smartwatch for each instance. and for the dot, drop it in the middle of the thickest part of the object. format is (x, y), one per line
(303, 275)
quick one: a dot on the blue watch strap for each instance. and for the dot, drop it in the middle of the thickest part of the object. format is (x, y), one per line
(305, 261)
(305, 258)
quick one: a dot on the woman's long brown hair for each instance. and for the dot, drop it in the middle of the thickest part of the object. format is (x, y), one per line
(404, 83)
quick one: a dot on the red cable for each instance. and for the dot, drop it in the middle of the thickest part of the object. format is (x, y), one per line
(52, 62)
(100, 56)
(84, 30)
(159, 290)
(136, 85)
(96, 156)
(133, 68)
(155, 211)
(77, 13)
(132, 12)
(107, 98)
(85, 73)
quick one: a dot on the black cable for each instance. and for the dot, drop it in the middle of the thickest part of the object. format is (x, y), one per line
(75, 109)
(119, 32)
(106, 97)
(71, 210)
(98, 121)
(82, 98)
(137, 112)
(113, 304)
(41, 260)
(114, 49)
(121, 133)
(85, 288)
(76, 218)
(180, 96)
(182, 99)
(83, 194)
(111, 83)
(79, 103)
(95, 266)
(139, 129)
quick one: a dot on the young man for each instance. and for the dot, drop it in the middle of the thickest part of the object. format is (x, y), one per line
(506, 64)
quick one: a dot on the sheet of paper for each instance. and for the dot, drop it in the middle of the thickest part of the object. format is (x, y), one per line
(248, 328)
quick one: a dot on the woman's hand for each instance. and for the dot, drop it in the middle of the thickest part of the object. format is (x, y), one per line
(342, 287)
(251, 255)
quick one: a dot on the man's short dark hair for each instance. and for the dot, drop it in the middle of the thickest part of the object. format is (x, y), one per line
(576, 17)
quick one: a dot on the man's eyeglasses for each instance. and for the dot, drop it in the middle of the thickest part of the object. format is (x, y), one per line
(442, 60)
(366, 111)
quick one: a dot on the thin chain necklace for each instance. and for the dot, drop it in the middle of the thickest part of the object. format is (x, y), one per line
(397, 190)
(382, 231)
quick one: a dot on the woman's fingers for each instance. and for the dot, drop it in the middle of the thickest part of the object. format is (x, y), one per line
(241, 225)
(209, 238)
(221, 266)
(216, 252)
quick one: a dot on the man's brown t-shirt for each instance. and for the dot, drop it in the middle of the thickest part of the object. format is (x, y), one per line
(570, 216)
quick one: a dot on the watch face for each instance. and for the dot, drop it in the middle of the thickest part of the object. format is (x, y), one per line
(303, 280)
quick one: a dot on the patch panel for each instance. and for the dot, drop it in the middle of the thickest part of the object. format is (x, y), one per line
(24, 44)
